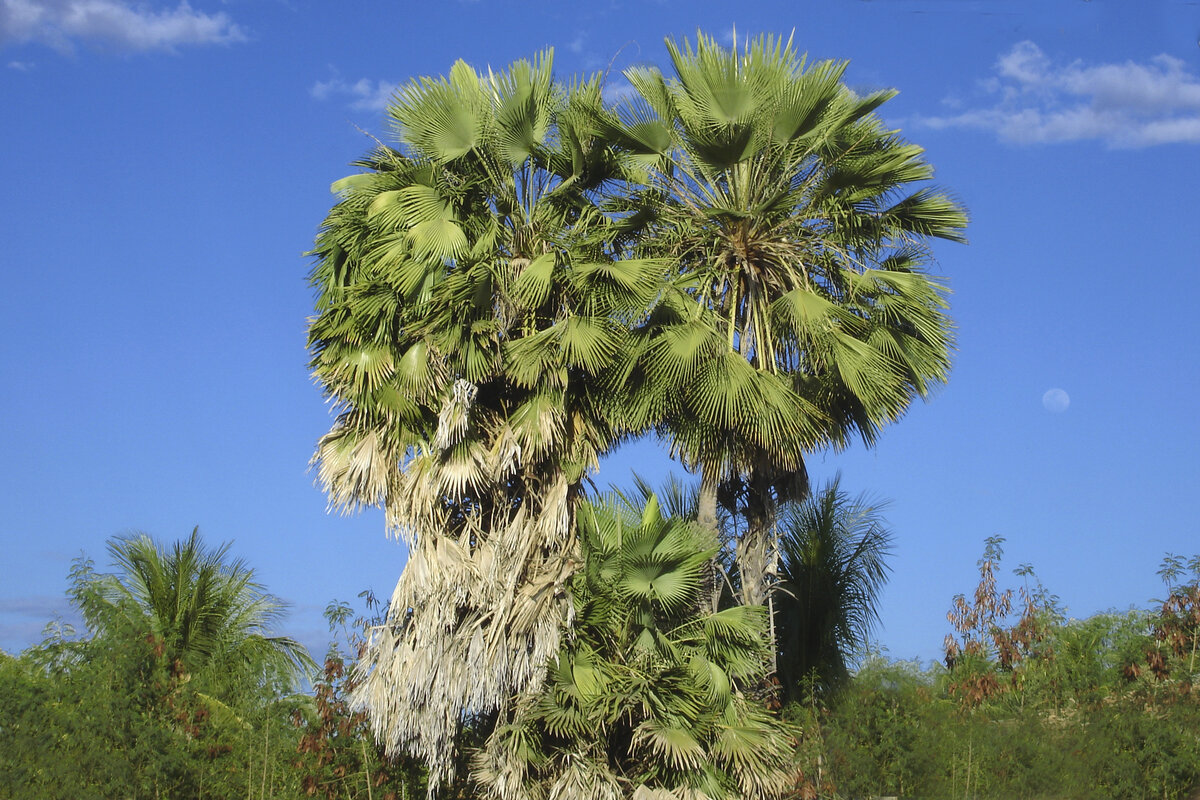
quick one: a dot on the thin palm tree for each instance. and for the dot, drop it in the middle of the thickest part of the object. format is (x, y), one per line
(203, 611)
(832, 570)
(800, 313)
(645, 699)
(472, 317)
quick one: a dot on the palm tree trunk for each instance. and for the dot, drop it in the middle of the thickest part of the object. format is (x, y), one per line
(706, 512)
(757, 553)
(706, 515)
(753, 549)
(752, 564)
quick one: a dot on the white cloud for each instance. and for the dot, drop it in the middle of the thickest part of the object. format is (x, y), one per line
(1121, 104)
(21, 66)
(618, 90)
(363, 94)
(118, 23)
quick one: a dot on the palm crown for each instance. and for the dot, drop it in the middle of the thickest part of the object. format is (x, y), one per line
(203, 611)
(799, 313)
(832, 572)
(471, 312)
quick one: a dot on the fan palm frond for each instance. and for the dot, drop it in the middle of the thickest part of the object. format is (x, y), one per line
(646, 697)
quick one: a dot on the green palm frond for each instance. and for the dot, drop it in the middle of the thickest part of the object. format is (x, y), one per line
(832, 570)
(647, 692)
(441, 119)
(674, 745)
(535, 281)
(207, 612)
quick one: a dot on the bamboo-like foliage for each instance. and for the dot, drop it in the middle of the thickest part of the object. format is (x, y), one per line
(801, 313)
(471, 314)
(645, 699)
(832, 570)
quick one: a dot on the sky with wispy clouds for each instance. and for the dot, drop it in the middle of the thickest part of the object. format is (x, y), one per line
(166, 165)
(122, 26)
(1030, 99)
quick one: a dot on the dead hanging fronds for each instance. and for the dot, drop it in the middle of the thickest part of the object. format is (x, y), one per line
(480, 607)
(455, 414)
(353, 467)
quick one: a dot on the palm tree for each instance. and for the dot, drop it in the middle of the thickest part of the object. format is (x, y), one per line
(831, 572)
(485, 334)
(800, 313)
(203, 612)
(646, 698)
(472, 319)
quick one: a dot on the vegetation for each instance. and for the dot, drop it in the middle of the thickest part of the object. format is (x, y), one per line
(645, 695)
(795, 312)
(204, 613)
(1030, 705)
(336, 756)
(642, 701)
(471, 314)
(734, 258)
(832, 569)
(179, 691)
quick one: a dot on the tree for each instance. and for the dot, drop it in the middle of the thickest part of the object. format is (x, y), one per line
(472, 321)
(201, 610)
(800, 313)
(180, 691)
(527, 278)
(645, 700)
(831, 572)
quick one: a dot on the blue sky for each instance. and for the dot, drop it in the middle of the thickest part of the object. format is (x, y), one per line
(165, 167)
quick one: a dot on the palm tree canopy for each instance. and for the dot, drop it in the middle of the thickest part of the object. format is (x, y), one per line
(470, 307)
(799, 227)
(205, 611)
(799, 312)
(647, 694)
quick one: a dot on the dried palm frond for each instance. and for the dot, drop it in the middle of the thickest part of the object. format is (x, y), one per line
(467, 628)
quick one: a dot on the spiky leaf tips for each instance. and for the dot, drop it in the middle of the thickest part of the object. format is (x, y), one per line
(798, 227)
(470, 317)
(832, 572)
(204, 612)
(645, 699)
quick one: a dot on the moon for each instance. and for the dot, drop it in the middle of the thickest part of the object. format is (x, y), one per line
(1056, 401)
